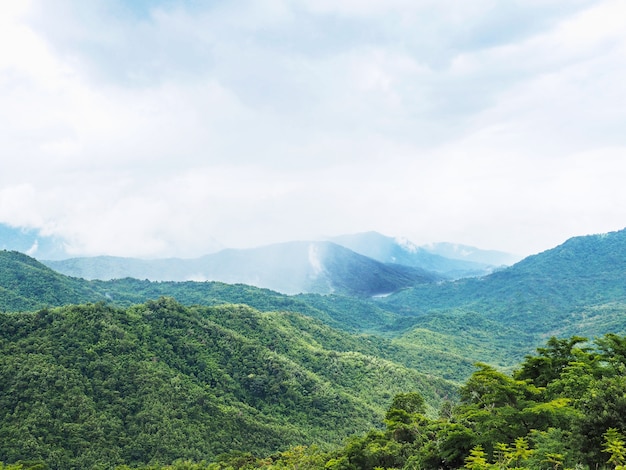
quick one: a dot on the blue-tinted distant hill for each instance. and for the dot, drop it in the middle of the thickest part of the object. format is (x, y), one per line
(446, 259)
(472, 254)
(290, 268)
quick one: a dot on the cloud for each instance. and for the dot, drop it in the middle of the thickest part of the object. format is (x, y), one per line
(151, 128)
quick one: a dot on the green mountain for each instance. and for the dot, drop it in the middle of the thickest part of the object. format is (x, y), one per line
(542, 293)
(136, 381)
(576, 288)
(39, 287)
(26, 284)
(573, 289)
(93, 386)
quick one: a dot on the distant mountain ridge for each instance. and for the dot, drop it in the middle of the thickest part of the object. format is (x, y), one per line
(575, 288)
(361, 264)
(289, 268)
(472, 254)
(431, 258)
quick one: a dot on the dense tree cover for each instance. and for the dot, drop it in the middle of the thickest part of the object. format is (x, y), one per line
(438, 329)
(563, 408)
(93, 386)
(26, 284)
(39, 287)
(179, 385)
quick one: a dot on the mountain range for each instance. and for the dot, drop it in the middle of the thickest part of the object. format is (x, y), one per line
(575, 288)
(191, 369)
(363, 264)
(290, 268)
(449, 260)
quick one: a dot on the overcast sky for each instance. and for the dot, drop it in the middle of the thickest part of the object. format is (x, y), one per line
(153, 128)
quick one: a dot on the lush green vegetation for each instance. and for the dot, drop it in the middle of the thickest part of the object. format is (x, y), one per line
(441, 329)
(542, 294)
(93, 386)
(563, 408)
(26, 284)
(232, 376)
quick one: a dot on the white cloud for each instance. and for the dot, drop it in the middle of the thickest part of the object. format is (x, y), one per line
(148, 132)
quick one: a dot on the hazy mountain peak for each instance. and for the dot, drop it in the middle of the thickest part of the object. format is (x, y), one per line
(400, 250)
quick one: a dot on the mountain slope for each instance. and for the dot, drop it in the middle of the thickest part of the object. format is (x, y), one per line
(349, 314)
(92, 385)
(392, 250)
(548, 293)
(291, 268)
(26, 284)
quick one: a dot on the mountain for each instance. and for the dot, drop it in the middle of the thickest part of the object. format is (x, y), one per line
(137, 381)
(26, 284)
(575, 288)
(92, 386)
(291, 268)
(400, 251)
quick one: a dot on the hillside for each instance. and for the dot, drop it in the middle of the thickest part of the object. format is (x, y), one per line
(290, 268)
(39, 288)
(540, 291)
(575, 288)
(170, 381)
(91, 384)
(26, 284)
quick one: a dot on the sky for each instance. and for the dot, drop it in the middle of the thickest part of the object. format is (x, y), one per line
(162, 128)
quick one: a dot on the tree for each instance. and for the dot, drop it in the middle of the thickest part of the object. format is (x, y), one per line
(551, 360)
(614, 445)
(476, 460)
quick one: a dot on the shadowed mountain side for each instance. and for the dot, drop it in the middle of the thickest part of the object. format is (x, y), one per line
(393, 250)
(290, 268)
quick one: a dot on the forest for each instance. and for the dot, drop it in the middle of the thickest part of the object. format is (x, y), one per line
(160, 386)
